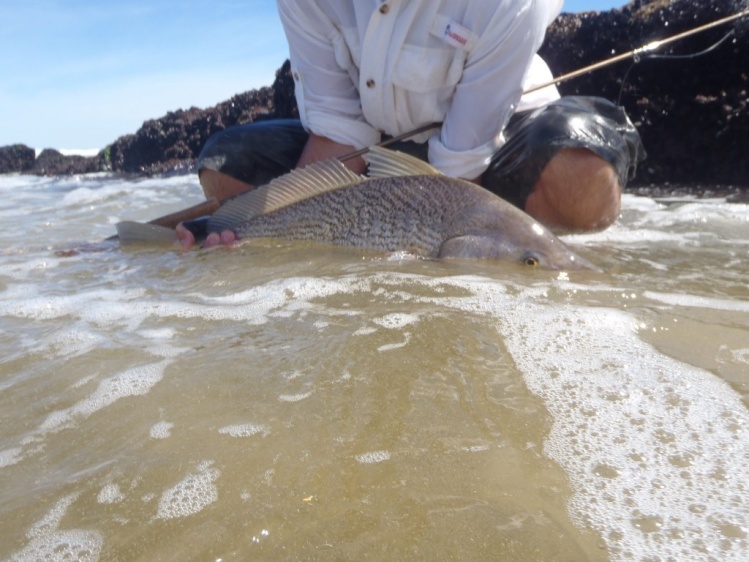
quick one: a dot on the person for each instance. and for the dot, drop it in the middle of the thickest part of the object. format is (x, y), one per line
(370, 69)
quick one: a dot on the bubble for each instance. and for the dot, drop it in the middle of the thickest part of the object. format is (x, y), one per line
(373, 457)
(161, 430)
(63, 546)
(244, 430)
(392, 346)
(110, 494)
(605, 471)
(46, 542)
(698, 302)
(294, 397)
(9, 457)
(133, 382)
(396, 321)
(191, 495)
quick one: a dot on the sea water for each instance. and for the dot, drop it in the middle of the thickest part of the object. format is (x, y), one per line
(281, 401)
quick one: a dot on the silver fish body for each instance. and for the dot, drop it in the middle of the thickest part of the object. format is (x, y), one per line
(427, 214)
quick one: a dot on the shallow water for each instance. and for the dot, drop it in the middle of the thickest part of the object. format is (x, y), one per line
(281, 401)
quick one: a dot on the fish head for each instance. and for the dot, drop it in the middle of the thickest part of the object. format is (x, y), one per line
(535, 247)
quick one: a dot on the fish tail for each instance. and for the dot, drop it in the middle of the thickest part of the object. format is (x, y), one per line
(133, 233)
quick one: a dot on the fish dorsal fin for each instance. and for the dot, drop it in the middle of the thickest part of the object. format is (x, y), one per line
(296, 186)
(385, 163)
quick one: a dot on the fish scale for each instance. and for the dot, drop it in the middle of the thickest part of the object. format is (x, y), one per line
(377, 214)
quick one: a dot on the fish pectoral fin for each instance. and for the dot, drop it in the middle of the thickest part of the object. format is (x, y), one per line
(468, 246)
(298, 185)
(131, 233)
(386, 163)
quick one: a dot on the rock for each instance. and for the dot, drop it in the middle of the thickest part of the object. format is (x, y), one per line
(16, 158)
(50, 162)
(284, 100)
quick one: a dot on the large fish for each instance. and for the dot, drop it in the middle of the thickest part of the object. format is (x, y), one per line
(404, 205)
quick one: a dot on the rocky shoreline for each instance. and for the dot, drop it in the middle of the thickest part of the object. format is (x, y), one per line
(691, 111)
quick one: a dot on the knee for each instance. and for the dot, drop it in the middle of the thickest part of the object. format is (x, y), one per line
(577, 191)
(221, 186)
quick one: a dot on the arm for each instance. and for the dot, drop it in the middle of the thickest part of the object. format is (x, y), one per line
(490, 87)
(326, 94)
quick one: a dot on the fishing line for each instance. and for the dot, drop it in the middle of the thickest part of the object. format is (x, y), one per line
(638, 52)
(638, 58)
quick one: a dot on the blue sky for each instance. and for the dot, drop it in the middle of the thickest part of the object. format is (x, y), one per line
(77, 74)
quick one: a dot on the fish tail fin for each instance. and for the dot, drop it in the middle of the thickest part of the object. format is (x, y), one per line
(133, 233)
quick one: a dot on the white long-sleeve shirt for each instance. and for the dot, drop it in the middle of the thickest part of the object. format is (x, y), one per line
(363, 68)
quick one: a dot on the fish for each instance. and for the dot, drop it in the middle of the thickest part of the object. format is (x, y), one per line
(403, 205)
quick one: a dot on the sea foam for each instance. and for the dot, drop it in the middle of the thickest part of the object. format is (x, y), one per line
(656, 450)
(47, 542)
(191, 495)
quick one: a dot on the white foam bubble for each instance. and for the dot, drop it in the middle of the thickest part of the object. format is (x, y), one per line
(158, 334)
(191, 495)
(161, 430)
(71, 342)
(396, 321)
(46, 542)
(244, 430)
(294, 397)
(373, 457)
(698, 302)
(28, 270)
(103, 306)
(393, 346)
(133, 382)
(629, 236)
(63, 546)
(110, 494)
(741, 355)
(9, 457)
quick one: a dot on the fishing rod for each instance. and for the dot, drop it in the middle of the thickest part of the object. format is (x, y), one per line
(636, 53)
(211, 205)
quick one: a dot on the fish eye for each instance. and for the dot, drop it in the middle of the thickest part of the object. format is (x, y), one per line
(531, 261)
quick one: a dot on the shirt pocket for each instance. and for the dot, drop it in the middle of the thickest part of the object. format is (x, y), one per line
(428, 69)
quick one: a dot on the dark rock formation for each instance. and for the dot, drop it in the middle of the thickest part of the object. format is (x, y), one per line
(16, 158)
(691, 112)
(51, 162)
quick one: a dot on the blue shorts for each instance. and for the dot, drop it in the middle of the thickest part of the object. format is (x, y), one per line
(256, 153)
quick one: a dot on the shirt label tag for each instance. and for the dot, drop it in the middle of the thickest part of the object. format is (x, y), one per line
(453, 33)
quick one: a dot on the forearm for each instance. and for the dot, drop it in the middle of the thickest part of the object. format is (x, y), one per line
(489, 90)
(321, 148)
(327, 98)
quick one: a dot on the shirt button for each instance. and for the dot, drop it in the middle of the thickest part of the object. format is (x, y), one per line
(384, 9)
(370, 83)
